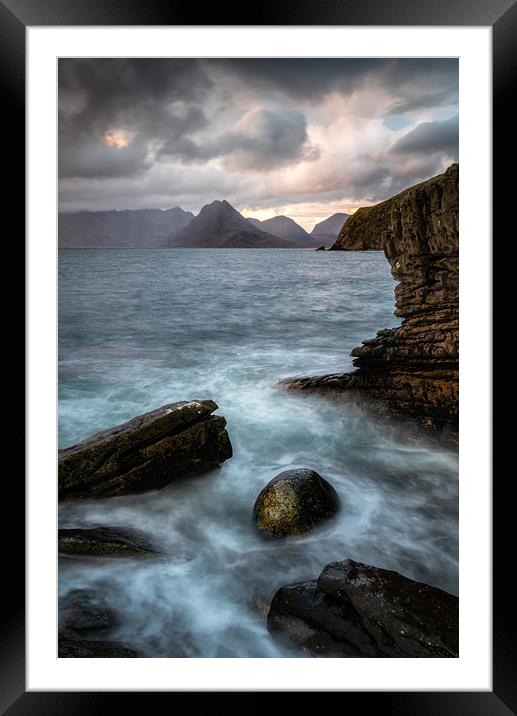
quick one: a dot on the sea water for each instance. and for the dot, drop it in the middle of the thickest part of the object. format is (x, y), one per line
(139, 329)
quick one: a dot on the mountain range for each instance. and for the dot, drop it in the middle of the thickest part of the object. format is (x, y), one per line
(285, 228)
(128, 229)
(218, 225)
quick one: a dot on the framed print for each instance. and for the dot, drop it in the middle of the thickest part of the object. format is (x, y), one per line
(259, 351)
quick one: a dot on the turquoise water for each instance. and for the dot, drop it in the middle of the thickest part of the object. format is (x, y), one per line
(138, 329)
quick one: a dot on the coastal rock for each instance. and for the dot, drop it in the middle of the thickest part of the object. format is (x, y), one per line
(69, 648)
(145, 453)
(83, 610)
(104, 541)
(293, 503)
(354, 609)
(321, 248)
(412, 369)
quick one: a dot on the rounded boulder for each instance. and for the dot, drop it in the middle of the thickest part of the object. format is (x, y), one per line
(293, 503)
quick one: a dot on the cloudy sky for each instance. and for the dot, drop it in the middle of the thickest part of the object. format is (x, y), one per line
(302, 137)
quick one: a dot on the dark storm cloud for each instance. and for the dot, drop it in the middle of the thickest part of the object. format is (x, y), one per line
(417, 80)
(255, 130)
(431, 137)
(161, 101)
(152, 99)
(108, 90)
(265, 140)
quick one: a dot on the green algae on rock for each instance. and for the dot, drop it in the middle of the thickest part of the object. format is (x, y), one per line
(145, 453)
(293, 503)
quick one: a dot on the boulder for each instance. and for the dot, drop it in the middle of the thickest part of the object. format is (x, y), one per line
(293, 503)
(84, 610)
(104, 541)
(145, 453)
(321, 248)
(354, 609)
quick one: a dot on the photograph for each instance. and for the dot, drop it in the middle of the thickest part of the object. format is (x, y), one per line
(258, 357)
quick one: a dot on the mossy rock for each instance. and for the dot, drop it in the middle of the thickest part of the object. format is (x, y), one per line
(145, 453)
(293, 503)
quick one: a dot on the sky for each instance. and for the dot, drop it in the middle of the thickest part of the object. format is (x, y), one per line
(302, 137)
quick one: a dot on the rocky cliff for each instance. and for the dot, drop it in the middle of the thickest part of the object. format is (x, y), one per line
(412, 368)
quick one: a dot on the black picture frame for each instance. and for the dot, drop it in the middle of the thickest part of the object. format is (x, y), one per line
(15, 17)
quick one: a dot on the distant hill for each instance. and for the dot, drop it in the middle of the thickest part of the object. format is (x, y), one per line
(219, 226)
(327, 231)
(286, 228)
(131, 228)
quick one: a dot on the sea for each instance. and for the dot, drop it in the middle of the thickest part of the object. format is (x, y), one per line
(142, 328)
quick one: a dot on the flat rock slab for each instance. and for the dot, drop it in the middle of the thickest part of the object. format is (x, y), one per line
(145, 453)
(89, 649)
(104, 541)
(354, 609)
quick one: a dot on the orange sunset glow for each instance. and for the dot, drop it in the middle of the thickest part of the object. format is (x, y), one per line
(115, 140)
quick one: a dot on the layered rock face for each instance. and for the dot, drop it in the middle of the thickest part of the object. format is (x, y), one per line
(412, 368)
(356, 610)
(147, 452)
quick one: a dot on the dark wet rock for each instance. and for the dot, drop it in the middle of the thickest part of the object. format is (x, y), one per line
(90, 649)
(145, 453)
(321, 248)
(307, 617)
(294, 502)
(412, 369)
(84, 610)
(104, 541)
(355, 609)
